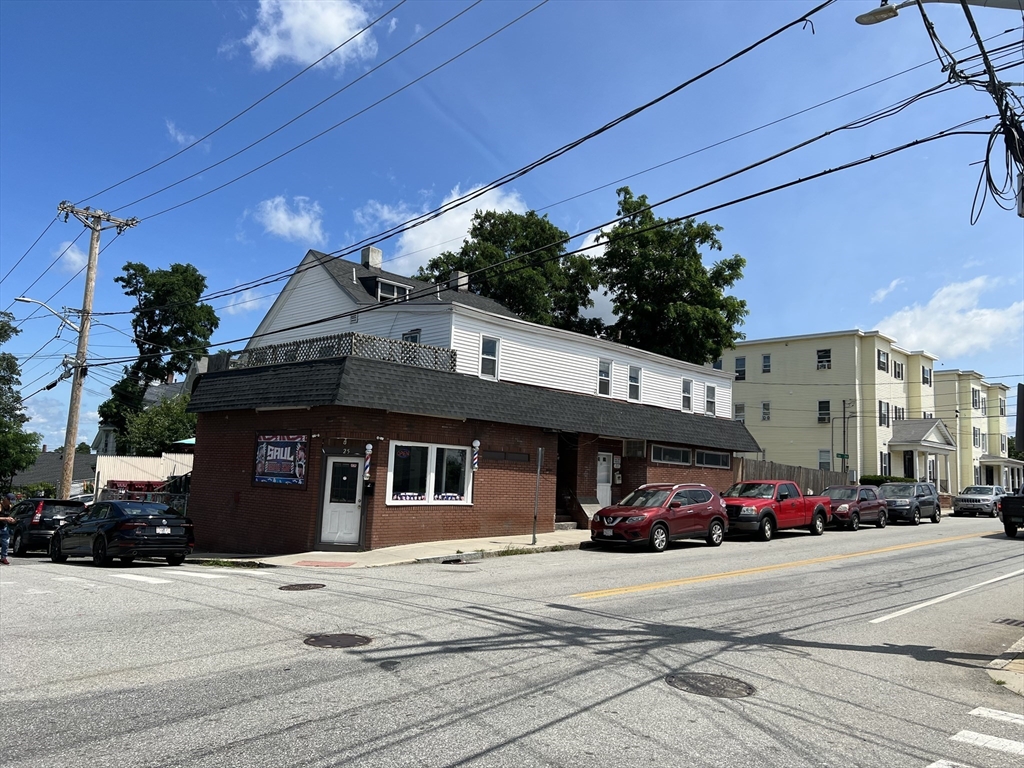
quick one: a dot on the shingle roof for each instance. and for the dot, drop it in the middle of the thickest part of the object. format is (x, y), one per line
(916, 430)
(48, 467)
(364, 383)
(343, 269)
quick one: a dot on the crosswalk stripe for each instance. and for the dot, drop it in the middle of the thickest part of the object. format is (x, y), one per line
(135, 577)
(990, 742)
(947, 764)
(997, 714)
(79, 582)
(38, 592)
(200, 575)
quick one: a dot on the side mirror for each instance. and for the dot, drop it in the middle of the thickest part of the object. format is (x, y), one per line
(783, 496)
(675, 504)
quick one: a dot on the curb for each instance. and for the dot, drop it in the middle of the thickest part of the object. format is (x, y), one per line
(1007, 669)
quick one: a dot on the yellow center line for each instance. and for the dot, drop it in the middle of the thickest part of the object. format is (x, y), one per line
(766, 568)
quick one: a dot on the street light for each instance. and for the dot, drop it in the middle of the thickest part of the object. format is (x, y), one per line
(886, 11)
(52, 311)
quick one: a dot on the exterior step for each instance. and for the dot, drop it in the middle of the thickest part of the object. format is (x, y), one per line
(567, 525)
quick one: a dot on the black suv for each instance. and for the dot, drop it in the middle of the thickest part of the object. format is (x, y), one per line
(911, 501)
(35, 520)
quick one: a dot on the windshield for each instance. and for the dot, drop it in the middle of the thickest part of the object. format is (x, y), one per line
(902, 491)
(846, 494)
(645, 497)
(147, 509)
(62, 509)
(979, 490)
(751, 491)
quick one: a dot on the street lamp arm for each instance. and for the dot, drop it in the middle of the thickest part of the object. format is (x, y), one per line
(52, 311)
(885, 11)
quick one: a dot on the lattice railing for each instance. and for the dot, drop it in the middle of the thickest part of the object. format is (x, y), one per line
(355, 344)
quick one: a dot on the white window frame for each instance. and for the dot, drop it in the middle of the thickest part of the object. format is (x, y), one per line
(412, 337)
(766, 363)
(686, 455)
(740, 368)
(883, 360)
(431, 473)
(883, 414)
(604, 381)
(926, 376)
(824, 416)
(710, 403)
(687, 401)
(828, 459)
(766, 411)
(496, 357)
(984, 405)
(739, 412)
(1002, 445)
(976, 434)
(975, 398)
(699, 454)
(396, 286)
(1002, 407)
(824, 359)
(897, 370)
(639, 384)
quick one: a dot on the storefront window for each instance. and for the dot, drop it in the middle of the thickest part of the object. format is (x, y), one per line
(428, 473)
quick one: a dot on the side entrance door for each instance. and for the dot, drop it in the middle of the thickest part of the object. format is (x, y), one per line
(343, 495)
(604, 479)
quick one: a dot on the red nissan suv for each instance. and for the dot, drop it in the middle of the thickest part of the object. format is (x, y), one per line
(657, 513)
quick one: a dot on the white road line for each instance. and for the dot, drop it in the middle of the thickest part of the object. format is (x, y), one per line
(990, 742)
(944, 598)
(200, 575)
(38, 592)
(947, 764)
(134, 577)
(80, 582)
(997, 714)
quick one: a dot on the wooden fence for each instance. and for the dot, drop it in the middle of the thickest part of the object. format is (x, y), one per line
(805, 477)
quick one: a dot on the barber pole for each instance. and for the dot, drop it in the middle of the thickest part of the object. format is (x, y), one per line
(366, 462)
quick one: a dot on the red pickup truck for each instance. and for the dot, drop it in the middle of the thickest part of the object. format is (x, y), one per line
(767, 506)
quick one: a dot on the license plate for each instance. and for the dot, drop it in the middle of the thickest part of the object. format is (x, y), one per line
(162, 529)
(608, 531)
(61, 522)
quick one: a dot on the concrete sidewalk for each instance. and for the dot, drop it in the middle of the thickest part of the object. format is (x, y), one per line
(427, 552)
(1008, 669)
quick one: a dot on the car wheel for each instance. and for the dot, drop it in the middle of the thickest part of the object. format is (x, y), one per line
(658, 543)
(1010, 529)
(915, 519)
(854, 521)
(993, 513)
(937, 516)
(766, 529)
(56, 555)
(18, 543)
(99, 552)
(715, 533)
(127, 560)
(883, 519)
(817, 524)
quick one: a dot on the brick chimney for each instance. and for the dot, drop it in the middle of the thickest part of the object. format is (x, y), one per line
(459, 281)
(44, 447)
(371, 257)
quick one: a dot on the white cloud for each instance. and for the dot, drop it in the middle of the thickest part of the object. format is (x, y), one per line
(878, 296)
(248, 300)
(446, 233)
(953, 324)
(180, 138)
(74, 258)
(303, 224)
(303, 32)
(392, 25)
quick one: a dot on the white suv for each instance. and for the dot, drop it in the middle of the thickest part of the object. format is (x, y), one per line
(978, 499)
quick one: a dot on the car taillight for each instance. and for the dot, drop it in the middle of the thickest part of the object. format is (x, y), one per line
(131, 525)
(38, 516)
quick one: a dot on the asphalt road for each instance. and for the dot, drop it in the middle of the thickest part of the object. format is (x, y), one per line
(554, 659)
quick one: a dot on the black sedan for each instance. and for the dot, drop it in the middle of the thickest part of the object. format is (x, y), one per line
(126, 530)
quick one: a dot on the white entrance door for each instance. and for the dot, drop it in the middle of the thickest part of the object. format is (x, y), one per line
(342, 496)
(604, 479)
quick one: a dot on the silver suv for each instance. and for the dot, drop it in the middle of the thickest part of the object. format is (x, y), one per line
(978, 499)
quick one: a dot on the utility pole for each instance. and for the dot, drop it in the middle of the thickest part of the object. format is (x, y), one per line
(97, 221)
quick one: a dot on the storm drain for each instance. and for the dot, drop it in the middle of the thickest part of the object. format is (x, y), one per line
(336, 641)
(1010, 622)
(301, 587)
(718, 686)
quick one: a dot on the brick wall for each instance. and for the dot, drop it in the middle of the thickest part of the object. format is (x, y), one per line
(232, 515)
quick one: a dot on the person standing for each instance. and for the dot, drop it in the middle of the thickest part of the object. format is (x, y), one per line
(5, 520)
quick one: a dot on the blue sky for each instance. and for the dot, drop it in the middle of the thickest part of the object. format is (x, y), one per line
(95, 92)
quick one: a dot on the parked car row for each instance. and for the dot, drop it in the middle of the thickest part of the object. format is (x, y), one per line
(657, 513)
(104, 530)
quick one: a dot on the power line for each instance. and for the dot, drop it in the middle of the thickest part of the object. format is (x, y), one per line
(22, 257)
(252, 106)
(59, 256)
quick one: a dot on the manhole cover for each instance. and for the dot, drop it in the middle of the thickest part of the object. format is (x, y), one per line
(301, 587)
(336, 641)
(710, 685)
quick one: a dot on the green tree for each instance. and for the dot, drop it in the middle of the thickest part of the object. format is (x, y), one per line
(546, 287)
(18, 448)
(1011, 449)
(83, 448)
(168, 318)
(155, 429)
(663, 296)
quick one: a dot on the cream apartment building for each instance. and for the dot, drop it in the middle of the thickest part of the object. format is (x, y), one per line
(846, 400)
(976, 412)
